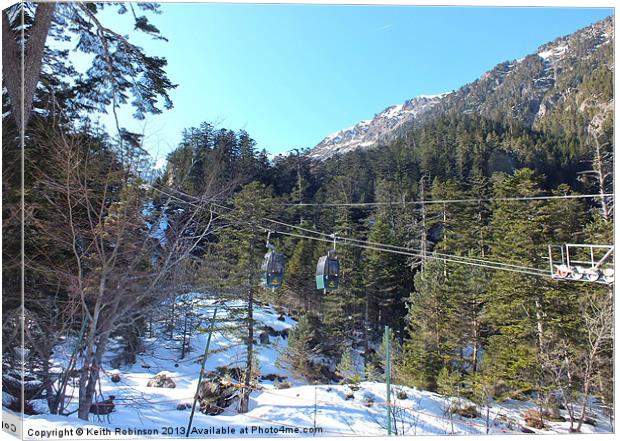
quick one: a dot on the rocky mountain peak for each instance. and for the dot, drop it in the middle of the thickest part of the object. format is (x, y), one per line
(523, 91)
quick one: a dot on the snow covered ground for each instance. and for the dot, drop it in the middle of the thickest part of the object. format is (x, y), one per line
(301, 410)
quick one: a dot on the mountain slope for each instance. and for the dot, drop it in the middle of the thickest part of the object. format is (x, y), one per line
(369, 133)
(334, 409)
(573, 73)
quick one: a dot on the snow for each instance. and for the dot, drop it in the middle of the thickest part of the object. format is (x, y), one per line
(368, 133)
(300, 407)
(553, 52)
(160, 163)
(431, 97)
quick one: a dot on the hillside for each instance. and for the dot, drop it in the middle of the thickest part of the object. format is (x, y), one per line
(275, 409)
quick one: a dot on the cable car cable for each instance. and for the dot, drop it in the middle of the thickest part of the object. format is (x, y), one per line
(428, 256)
(411, 249)
(447, 201)
(394, 248)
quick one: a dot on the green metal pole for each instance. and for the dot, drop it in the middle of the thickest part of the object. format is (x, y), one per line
(202, 370)
(388, 379)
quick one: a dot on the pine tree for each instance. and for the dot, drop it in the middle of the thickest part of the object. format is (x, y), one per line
(299, 279)
(304, 345)
(239, 253)
(347, 369)
(427, 347)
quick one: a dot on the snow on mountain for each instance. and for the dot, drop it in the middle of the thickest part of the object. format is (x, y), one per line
(369, 133)
(523, 90)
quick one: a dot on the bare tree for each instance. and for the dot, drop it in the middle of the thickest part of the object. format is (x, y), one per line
(122, 258)
(599, 322)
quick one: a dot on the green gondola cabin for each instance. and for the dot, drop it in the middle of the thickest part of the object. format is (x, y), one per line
(327, 273)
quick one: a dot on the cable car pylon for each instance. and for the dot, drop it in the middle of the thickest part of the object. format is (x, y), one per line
(589, 263)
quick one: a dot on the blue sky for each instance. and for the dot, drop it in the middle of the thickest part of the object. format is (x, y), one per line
(292, 74)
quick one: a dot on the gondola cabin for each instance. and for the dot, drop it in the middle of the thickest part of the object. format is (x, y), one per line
(327, 273)
(272, 270)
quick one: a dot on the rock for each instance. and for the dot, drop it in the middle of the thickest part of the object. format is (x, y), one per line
(281, 318)
(162, 380)
(526, 430)
(466, 411)
(368, 400)
(183, 406)
(533, 418)
(264, 338)
(146, 366)
(552, 408)
(115, 378)
(284, 333)
(401, 395)
(349, 396)
(104, 407)
(590, 420)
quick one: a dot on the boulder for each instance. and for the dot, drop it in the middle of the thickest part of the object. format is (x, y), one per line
(264, 338)
(115, 378)
(466, 411)
(590, 420)
(162, 380)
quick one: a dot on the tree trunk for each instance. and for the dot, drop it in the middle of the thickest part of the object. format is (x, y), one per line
(22, 95)
(244, 402)
(539, 324)
(601, 177)
(245, 395)
(91, 374)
